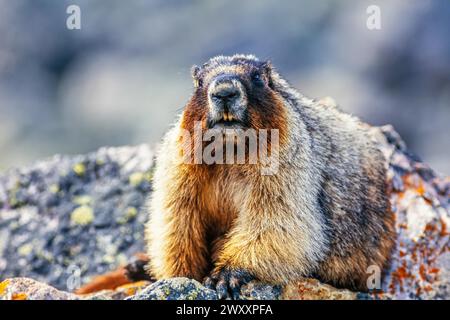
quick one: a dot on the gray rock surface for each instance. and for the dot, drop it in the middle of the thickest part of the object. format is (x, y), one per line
(68, 218)
(29, 289)
(188, 289)
(175, 289)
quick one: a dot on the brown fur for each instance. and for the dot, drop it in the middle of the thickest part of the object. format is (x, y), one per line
(325, 213)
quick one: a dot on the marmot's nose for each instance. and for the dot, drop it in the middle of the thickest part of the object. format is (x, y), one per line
(225, 93)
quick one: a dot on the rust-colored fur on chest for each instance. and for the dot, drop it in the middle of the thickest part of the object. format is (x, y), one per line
(217, 188)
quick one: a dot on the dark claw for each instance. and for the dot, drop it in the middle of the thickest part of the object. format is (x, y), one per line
(235, 286)
(228, 282)
(222, 290)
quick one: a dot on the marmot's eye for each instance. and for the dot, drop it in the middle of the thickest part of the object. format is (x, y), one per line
(199, 83)
(256, 78)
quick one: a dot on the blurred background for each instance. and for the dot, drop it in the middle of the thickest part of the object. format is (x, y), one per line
(121, 79)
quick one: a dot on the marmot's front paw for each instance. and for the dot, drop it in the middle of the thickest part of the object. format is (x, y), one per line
(227, 282)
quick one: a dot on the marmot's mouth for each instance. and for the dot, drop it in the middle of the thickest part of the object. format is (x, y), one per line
(227, 121)
(227, 117)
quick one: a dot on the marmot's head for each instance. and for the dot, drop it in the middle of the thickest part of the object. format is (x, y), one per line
(234, 92)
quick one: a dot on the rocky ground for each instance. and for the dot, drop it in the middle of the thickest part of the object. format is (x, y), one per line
(67, 219)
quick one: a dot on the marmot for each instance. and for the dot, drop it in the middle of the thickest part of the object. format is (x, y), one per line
(325, 213)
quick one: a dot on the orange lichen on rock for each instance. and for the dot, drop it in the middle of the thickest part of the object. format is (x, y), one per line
(422, 213)
(3, 286)
(312, 289)
(444, 230)
(19, 296)
(131, 288)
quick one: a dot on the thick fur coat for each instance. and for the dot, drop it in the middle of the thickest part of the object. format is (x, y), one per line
(325, 213)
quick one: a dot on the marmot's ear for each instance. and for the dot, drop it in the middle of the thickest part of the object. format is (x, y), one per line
(194, 73)
(268, 72)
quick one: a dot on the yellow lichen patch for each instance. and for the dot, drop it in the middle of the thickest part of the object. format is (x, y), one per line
(54, 188)
(83, 215)
(25, 249)
(19, 296)
(136, 178)
(79, 169)
(130, 213)
(130, 289)
(82, 200)
(110, 259)
(420, 189)
(133, 285)
(3, 286)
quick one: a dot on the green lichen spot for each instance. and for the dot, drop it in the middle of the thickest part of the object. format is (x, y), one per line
(13, 201)
(192, 296)
(25, 249)
(82, 200)
(107, 258)
(79, 169)
(136, 178)
(54, 188)
(131, 213)
(83, 215)
(121, 220)
(44, 255)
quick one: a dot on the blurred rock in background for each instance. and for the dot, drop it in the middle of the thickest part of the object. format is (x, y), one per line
(122, 78)
(66, 219)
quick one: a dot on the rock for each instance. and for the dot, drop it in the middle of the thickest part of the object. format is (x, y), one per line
(29, 289)
(119, 293)
(175, 289)
(420, 201)
(68, 219)
(74, 216)
(312, 289)
(260, 291)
